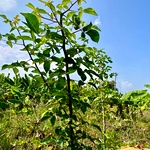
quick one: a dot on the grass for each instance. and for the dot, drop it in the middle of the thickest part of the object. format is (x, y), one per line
(23, 130)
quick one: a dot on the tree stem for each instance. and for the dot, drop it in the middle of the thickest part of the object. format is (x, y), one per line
(68, 85)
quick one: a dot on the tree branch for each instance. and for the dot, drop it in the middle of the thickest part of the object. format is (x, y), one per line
(36, 66)
(70, 7)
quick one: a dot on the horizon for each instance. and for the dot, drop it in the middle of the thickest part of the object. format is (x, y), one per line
(124, 36)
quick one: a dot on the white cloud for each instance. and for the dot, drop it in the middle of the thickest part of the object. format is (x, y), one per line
(126, 85)
(97, 21)
(6, 5)
(8, 54)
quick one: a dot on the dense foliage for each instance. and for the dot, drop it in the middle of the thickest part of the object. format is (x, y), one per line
(46, 108)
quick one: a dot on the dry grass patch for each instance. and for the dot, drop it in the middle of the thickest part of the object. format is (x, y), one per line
(138, 147)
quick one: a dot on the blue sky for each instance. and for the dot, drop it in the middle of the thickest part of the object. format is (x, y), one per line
(125, 36)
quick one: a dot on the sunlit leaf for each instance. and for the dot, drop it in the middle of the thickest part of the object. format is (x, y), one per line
(30, 6)
(90, 11)
(147, 86)
(96, 27)
(70, 14)
(24, 38)
(41, 11)
(65, 2)
(31, 21)
(79, 2)
(15, 91)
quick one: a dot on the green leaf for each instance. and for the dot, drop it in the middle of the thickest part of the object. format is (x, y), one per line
(94, 35)
(79, 2)
(80, 10)
(3, 16)
(96, 27)
(4, 105)
(91, 83)
(76, 21)
(16, 91)
(69, 60)
(53, 120)
(70, 14)
(49, 4)
(93, 72)
(147, 86)
(47, 52)
(81, 74)
(14, 101)
(99, 146)
(80, 83)
(55, 36)
(0, 36)
(65, 2)
(56, 59)
(45, 118)
(9, 43)
(83, 108)
(88, 147)
(41, 11)
(30, 6)
(114, 100)
(9, 81)
(47, 66)
(6, 66)
(88, 27)
(82, 34)
(32, 22)
(24, 38)
(11, 37)
(90, 11)
(58, 130)
(60, 7)
(72, 69)
(15, 70)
